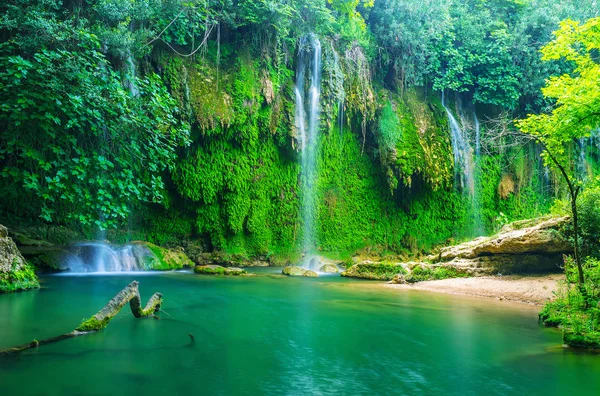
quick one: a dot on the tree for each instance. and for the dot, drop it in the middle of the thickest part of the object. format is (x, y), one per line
(576, 112)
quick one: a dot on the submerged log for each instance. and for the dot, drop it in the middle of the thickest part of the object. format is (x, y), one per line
(100, 320)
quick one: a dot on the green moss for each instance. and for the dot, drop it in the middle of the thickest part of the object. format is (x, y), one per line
(421, 273)
(165, 259)
(375, 271)
(589, 340)
(218, 270)
(93, 324)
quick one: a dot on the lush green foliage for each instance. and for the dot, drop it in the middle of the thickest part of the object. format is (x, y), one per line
(82, 146)
(95, 110)
(575, 308)
(22, 279)
(577, 95)
(489, 48)
(422, 273)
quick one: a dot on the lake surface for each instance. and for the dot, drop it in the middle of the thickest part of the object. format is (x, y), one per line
(273, 335)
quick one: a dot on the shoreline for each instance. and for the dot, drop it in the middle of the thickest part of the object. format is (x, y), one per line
(532, 290)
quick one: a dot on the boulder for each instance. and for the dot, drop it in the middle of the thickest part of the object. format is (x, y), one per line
(543, 237)
(528, 246)
(293, 270)
(310, 273)
(329, 269)
(15, 273)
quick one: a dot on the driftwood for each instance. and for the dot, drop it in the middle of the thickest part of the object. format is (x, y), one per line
(99, 321)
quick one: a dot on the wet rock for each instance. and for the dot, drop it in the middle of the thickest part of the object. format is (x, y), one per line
(310, 273)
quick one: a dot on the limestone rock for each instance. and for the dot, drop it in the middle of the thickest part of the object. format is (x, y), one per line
(15, 272)
(310, 273)
(519, 238)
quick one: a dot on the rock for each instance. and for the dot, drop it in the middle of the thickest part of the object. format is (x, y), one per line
(153, 257)
(523, 237)
(329, 269)
(218, 270)
(293, 270)
(15, 272)
(234, 271)
(310, 273)
(398, 279)
(528, 246)
(374, 271)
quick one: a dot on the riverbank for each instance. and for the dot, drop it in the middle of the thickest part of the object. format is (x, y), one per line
(534, 290)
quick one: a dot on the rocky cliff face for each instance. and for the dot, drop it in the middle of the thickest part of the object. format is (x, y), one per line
(529, 246)
(15, 273)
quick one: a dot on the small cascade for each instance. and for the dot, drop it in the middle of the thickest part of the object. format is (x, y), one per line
(477, 137)
(131, 75)
(99, 257)
(581, 158)
(308, 91)
(463, 156)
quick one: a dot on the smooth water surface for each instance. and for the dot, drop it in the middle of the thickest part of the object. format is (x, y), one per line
(275, 335)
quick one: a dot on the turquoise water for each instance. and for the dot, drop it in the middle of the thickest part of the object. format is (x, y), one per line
(273, 335)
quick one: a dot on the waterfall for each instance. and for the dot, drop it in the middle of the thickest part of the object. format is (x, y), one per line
(131, 75)
(307, 90)
(463, 161)
(477, 137)
(100, 257)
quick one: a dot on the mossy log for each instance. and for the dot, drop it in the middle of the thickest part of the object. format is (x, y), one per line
(100, 320)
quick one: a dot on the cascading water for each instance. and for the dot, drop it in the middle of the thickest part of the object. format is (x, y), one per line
(131, 75)
(463, 159)
(99, 257)
(466, 167)
(307, 89)
(477, 137)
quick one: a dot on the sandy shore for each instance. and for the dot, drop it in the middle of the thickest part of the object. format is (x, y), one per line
(526, 289)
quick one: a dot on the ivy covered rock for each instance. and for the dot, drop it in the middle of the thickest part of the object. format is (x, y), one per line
(15, 273)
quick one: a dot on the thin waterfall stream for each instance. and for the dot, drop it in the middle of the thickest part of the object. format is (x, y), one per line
(308, 91)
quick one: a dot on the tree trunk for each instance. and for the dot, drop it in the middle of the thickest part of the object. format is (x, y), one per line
(101, 319)
(576, 238)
